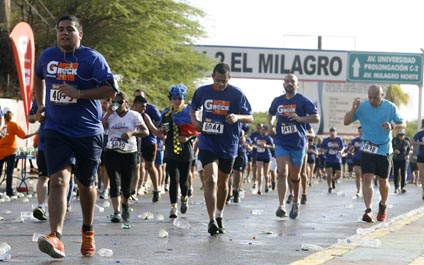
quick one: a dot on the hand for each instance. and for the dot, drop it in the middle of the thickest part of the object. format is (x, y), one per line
(231, 118)
(356, 103)
(68, 90)
(293, 116)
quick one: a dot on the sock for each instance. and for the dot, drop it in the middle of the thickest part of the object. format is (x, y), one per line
(218, 213)
(59, 235)
(87, 228)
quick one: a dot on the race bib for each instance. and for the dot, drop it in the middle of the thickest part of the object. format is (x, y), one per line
(56, 97)
(211, 127)
(118, 144)
(288, 129)
(369, 148)
(333, 151)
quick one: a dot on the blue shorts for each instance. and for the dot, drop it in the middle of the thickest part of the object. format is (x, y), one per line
(82, 153)
(296, 156)
(159, 157)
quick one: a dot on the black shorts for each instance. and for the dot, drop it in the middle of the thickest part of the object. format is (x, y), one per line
(265, 160)
(41, 164)
(420, 159)
(239, 163)
(356, 162)
(334, 166)
(148, 152)
(378, 165)
(206, 157)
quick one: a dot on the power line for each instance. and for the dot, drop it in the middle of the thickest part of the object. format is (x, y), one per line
(36, 11)
(41, 2)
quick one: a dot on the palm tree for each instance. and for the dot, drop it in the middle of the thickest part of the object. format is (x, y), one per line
(396, 95)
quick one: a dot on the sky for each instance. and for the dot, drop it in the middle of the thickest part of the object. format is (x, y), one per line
(376, 25)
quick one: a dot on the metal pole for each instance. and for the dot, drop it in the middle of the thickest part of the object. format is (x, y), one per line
(420, 99)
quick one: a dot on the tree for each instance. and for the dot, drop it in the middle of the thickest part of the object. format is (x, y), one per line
(396, 95)
(148, 43)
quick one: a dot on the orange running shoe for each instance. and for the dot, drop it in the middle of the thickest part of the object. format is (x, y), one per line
(88, 246)
(51, 245)
(382, 214)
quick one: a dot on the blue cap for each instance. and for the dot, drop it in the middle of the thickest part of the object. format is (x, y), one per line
(177, 90)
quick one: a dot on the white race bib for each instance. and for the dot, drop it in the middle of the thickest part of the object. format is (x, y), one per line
(59, 99)
(333, 151)
(118, 145)
(369, 148)
(213, 128)
(288, 129)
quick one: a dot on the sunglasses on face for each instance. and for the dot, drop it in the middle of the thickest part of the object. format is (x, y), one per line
(176, 98)
(118, 101)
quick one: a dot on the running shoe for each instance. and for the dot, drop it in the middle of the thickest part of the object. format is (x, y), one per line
(173, 213)
(184, 205)
(289, 199)
(333, 184)
(294, 213)
(190, 192)
(259, 192)
(329, 190)
(213, 227)
(104, 195)
(382, 215)
(88, 245)
(403, 190)
(281, 212)
(220, 223)
(116, 218)
(51, 245)
(304, 199)
(368, 216)
(236, 198)
(266, 189)
(39, 213)
(125, 212)
(156, 196)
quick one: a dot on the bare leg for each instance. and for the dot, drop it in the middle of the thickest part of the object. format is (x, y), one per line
(88, 197)
(210, 178)
(59, 185)
(368, 189)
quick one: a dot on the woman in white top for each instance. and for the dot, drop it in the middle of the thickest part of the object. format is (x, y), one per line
(124, 125)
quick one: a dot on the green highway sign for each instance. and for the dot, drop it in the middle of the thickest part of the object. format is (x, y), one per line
(394, 68)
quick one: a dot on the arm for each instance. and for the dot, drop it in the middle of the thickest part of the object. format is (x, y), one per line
(197, 124)
(271, 119)
(348, 118)
(102, 92)
(39, 95)
(244, 118)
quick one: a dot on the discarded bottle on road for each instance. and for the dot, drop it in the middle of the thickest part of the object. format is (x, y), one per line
(257, 212)
(181, 224)
(310, 247)
(163, 233)
(370, 243)
(5, 252)
(35, 237)
(105, 252)
(241, 194)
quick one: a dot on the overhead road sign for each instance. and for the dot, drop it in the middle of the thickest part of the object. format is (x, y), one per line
(395, 68)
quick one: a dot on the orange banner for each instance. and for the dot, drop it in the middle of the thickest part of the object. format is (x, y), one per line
(22, 39)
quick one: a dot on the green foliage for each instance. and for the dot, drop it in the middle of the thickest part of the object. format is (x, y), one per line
(396, 95)
(148, 43)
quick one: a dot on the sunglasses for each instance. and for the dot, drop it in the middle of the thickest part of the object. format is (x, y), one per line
(118, 101)
(176, 98)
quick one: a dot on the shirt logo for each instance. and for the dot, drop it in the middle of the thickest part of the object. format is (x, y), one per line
(286, 109)
(217, 107)
(63, 71)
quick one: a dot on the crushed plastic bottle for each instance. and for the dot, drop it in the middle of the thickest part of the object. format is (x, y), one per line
(26, 215)
(36, 236)
(370, 243)
(25, 199)
(241, 194)
(160, 217)
(106, 204)
(181, 224)
(101, 209)
(143, 215)
(344, 241)
(348, 206)
(257, 212)
(310, 247)
(163, 233)
(341, 194)
(105, 252)
(5, 251)
(150, 216)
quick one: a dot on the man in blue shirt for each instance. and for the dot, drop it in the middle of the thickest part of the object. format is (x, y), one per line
(378, 117)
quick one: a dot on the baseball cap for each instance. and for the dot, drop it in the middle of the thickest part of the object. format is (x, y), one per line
(401, 132)
(332, 129)
(6, 110)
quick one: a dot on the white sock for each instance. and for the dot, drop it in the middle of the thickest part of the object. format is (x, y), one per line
(218, 213)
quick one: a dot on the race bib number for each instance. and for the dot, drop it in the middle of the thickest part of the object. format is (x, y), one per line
(118, 145)
(369, 148)
(288, 129)
(333, 151)
(56, 97)
(213, 128)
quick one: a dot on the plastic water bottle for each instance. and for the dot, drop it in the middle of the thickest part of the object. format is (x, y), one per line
(105, 252)
(370, 243)
(257, 212)
(35, 237)
(181, 224)
(5, 252)
(106, 204)
(241, 194)
(163, 233)
(310, 247)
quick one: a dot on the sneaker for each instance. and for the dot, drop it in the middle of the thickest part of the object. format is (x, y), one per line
(368, 216)
(104, 195)
(396, 190)
(303, 199)
(236, 195)
(259, 192)
(173, 213)
(289, 199)
(329, 190)
(184, 205)
(125, 212)
(133, 198)
(266, 190)
(40, 214)
(88, 245)
(403, 190)
(281, 212)
(333, 184)
(213, 228)
(254, 186)
(220, 223)
(116, 218)
(190, 192)
(51, 245)
(381, 216)
(294, 213)
(156, 196)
